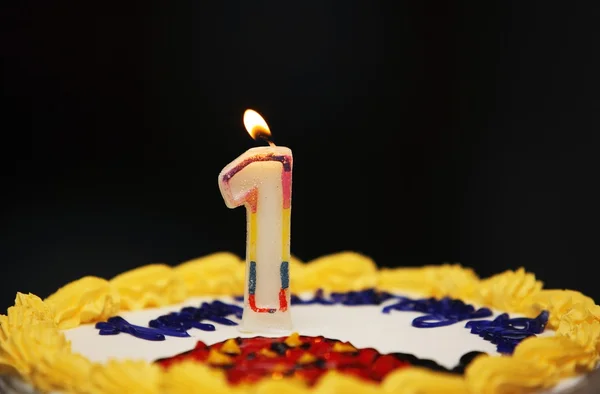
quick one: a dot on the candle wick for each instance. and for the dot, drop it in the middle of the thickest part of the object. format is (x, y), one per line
(266, 138)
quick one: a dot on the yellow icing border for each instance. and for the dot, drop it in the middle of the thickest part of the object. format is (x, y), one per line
(33, 347)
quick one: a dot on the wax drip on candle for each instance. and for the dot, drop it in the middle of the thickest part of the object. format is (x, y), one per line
(257, 127)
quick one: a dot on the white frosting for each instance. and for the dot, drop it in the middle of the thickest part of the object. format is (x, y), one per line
(363, 326)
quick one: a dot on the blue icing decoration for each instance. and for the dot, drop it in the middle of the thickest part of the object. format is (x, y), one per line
(252, 278)
(503, 331)
(175, 324)
(117, 324)
(318, 298)
(507, 333)
(351, 298)
(364, 297)
(438, 313)
(284, 272)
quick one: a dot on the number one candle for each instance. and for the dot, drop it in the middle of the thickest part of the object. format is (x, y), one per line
(261, 179)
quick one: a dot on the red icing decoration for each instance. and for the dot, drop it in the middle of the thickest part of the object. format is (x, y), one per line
(262, 357)
(252, 303)
(283, 305)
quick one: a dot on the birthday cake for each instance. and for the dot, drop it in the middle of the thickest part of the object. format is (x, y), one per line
(354, 328)
(273, 324)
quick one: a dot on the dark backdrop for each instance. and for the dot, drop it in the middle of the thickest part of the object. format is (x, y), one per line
(421, 133)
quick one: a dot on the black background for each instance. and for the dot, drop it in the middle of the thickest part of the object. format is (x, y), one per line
(422, 133)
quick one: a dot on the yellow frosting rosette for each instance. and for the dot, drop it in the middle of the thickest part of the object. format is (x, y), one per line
(26, 331)
(423, 381)
(216, 274)
(510, 291)
(152, 285)
(434, 281)
(297, 272)
(26, 348)
(561, 354)
(344, 271)
(582, 327)
(189, 377)
(561, 302)
(62, 371)
(334, 382)
(122, 377)
(86, 300)
(507, 375)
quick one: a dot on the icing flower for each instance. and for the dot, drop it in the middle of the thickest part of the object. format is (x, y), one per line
(344, 271)
(121, 377)
(582, 327)
(86, 300)
(149, 286)
(26, 346)
(510, 291)
(561, 302)
(561, 353)
(435, 281)
(279, 386)
(335, 382)
(579, 313)
(507, 375)
(190, 377)
(29, 310)
(297, 272)
(62, 371)
(216, 274)
(26, 331)
(33, 303)
(420, 380)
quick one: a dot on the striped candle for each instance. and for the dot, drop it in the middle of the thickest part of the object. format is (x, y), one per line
(261, 179)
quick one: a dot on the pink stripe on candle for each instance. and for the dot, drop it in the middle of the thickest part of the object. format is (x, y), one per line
(286, 182)
(285, 160)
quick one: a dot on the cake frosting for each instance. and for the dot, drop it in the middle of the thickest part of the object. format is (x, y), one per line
(55, 345)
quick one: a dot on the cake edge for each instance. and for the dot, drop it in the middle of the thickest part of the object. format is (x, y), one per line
(33, 347)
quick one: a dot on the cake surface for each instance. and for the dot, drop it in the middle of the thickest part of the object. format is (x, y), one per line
(434, 329)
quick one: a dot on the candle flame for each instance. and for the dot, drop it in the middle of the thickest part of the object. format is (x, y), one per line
(256, 126)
